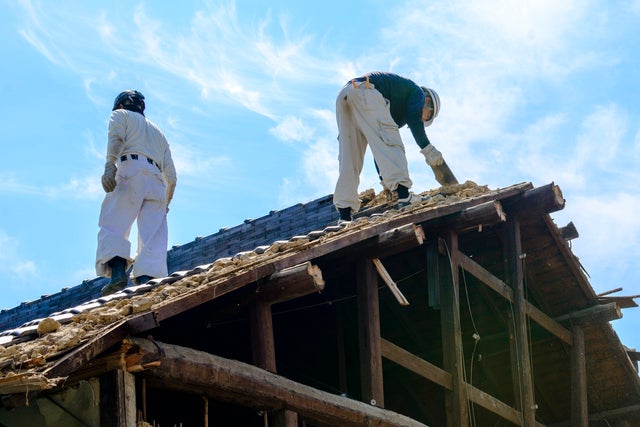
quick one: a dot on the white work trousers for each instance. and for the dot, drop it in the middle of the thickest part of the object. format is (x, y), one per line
(140, 193)
(363, 117)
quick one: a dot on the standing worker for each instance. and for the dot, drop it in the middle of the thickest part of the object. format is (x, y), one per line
(370, 110)
(139, 179)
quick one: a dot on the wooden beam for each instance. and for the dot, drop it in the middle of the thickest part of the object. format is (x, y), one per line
(569, 232)
(369, 333)
(386, 278)
(485, 214)
(506, 292)
(540, 200)
(579, 398)
(194, 371)
(290, 283)
(494, 405)
(397, 240)
(416, 365)
(88, 351)
(521, 365)
(117, 399)
(262, 342)
(438, 376)
(456, 400)
(624, 411)
(595, 314)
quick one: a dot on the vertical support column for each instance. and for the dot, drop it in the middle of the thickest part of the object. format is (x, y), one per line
(520, 343)
(262, 342)
(117, 399)
(264, 354)
(579, 401)
(456, 400)
(369, 333)
(433, 273)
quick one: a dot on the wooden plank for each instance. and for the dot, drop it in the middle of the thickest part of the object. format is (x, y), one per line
(416, 365)
(456, 400)
(369, 333)
(386, 278)
(185, 369)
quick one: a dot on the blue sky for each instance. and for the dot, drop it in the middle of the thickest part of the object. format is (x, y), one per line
(532, 91)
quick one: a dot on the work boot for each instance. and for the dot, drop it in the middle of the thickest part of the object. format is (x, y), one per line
(141, 280)
(118, 276)
(345, 216)
(411, 199)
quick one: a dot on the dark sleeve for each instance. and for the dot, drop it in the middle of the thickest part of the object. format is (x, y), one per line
(415, 104)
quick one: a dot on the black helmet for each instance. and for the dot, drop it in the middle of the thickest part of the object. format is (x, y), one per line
(131, 100)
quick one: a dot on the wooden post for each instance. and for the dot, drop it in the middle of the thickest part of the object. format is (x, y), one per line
(369, 333)
(264, 354)
(433, 274)
(579, 401)
(521, 365)
(456, 400)
(117, 399)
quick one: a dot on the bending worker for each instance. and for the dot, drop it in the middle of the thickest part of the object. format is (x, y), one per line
(370, 110)
(139, 179)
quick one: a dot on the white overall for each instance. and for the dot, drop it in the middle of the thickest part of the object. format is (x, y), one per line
(140, 193)
(364, 118)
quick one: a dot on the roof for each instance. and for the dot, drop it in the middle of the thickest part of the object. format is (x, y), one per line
(40, 354)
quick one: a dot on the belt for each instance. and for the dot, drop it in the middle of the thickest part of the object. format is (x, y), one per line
(135, 157)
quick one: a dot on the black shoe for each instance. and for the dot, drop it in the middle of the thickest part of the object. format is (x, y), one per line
(118, 276)
(141, 280)
(345, 215)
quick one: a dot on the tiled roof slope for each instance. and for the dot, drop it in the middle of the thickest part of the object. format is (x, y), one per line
(277, 225)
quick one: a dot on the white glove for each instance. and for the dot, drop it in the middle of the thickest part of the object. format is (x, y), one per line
(432, 155)
(109, 177)
(170, 189)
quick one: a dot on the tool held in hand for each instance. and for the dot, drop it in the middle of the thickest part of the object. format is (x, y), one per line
(440, 168)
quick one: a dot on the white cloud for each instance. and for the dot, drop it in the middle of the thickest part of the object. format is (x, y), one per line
(291, 128)
(12, 264)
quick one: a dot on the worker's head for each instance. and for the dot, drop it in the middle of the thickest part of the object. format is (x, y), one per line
(131, 100)
(431, 105)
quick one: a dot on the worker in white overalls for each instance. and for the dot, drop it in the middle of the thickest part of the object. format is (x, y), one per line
(370, 110)
(139, 179)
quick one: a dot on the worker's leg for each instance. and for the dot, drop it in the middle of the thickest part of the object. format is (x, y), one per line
(352, 146)
(372, 115)
(151, 257)
(119, 209)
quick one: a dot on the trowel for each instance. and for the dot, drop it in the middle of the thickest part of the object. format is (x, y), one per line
(443, 174)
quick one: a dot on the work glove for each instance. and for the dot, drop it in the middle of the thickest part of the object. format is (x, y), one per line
(432, 155)
(170, 189)
(109, 177)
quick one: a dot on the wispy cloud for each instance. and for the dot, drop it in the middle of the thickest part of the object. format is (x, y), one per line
(12, 264)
